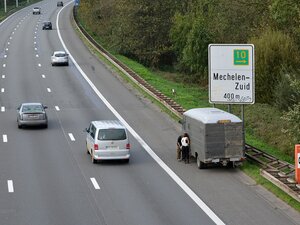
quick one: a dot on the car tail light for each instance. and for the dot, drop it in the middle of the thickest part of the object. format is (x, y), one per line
(128, 146)
(96, 147)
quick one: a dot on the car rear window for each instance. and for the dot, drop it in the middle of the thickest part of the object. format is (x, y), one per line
(32, 108)
(60, 55)
(112, 134)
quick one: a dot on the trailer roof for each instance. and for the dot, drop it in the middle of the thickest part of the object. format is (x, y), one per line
(211, 115)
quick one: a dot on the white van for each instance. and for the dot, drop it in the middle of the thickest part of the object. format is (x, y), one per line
(107, 140)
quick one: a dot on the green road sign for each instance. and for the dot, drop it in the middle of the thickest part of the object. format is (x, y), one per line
(241, 57)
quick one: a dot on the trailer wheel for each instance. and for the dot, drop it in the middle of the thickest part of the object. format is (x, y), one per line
(200, 164)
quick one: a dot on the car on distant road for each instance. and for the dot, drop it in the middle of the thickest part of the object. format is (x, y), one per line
(107, 140)
(32, 114)
(47, 25)
(60, 58)
(60, 3)
(36, 10)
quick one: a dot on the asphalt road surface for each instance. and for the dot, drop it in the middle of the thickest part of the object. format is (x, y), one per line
(46, 177)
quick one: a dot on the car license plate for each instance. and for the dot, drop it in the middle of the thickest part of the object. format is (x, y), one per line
(112, 147)
(33, 116)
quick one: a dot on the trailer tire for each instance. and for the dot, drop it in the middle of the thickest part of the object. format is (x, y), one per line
(200, 164)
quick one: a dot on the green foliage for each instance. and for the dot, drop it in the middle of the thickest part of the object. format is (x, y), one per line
(141, 30)
(287, 92)
(273, 50)
(292, 118)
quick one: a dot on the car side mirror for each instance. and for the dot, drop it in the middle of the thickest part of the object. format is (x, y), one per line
(86, 130)
(18, 108)
(45, 107)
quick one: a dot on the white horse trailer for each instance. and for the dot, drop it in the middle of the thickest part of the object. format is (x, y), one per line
(216, 136)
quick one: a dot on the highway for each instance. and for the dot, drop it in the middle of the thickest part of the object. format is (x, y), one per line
(47, 178)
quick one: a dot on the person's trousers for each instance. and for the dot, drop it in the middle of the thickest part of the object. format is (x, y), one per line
(185, 154)
(178, 152)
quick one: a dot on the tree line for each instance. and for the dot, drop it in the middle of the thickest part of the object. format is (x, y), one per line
(176, 34)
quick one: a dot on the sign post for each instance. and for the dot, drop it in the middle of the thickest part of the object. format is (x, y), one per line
(297, 163)
(231, 74)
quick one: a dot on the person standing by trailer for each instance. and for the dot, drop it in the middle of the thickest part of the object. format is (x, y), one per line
(185, 143)
(179, 150)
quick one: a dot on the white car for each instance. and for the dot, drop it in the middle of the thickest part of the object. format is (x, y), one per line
(60, 58)
(107, 140)
(36, 10)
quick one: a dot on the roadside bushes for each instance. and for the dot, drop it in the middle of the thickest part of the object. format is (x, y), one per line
(274, 50)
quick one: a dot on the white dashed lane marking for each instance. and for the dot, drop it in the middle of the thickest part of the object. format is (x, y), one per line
(2, 109)
(5, 56)
(3, 76)
(57, 108)
(2, 90)
(10, 186)
(43, 76)
(49, 90)
(39, 65)
(71, 137)
(4, 65)
(4, 137)
(96, 185)
(37, 55)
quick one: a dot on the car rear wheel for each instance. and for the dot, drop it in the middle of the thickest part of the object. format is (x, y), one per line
(126, 160)
(93, 159)
(200, 164)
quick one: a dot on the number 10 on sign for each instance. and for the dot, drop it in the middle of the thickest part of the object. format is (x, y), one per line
(241, 57)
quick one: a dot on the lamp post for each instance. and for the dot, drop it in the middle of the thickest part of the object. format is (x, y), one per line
(5, 6)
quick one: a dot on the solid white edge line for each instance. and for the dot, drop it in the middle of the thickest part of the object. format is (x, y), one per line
(147, 148)
(57, 108)
(71, 136)
(10, 186)
(95, 183)
(4, 137)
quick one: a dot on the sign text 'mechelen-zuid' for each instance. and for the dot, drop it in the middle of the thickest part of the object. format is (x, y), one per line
(244, 85)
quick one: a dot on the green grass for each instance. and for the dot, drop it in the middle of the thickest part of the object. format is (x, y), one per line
(187, 95)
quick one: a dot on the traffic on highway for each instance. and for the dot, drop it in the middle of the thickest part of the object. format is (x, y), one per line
(78, 145)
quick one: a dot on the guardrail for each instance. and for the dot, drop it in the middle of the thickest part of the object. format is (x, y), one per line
(278, 172)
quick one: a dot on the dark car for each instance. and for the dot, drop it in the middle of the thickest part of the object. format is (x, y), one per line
(32, 114)
(60, 3)
(47, 25)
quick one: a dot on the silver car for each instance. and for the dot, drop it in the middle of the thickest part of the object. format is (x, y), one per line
(60, 58)
(32, 114)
